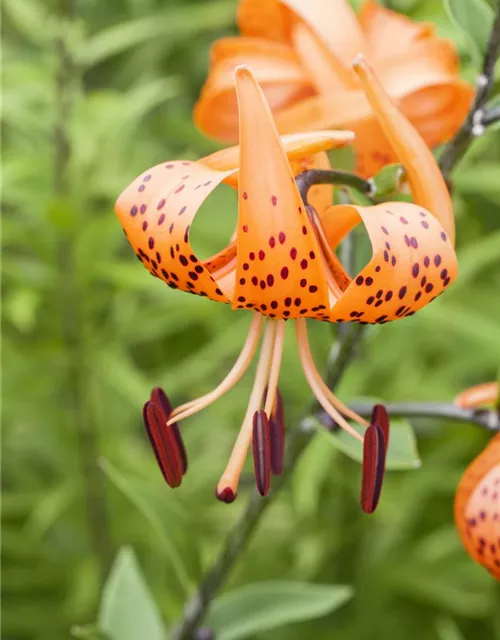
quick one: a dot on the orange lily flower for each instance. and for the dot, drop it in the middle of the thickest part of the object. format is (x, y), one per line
(281, 265)
(477, 500)
(301, 54)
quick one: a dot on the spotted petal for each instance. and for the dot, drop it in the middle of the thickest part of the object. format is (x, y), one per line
(427, 183)
(277, 248)
(413, 262)
(476, 508)
(156, 212)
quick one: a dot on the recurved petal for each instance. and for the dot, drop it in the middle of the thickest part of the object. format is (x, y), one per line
(275, 66)
(438, 111)
(263, 18)
(156, 212)
(326, 70)
(296, 145)
(430, 63)
(335, 23)
(486, 393)
(388, 33)
(339, 110)
(413, 262)
(426, 181)
(277, 248)
(476, 508)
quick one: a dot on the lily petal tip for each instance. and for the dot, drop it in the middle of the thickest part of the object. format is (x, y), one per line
(359, 62)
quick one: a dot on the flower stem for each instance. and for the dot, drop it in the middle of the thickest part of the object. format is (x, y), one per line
(236, 541)
(474, 123)
(487, 418)
(307, 179)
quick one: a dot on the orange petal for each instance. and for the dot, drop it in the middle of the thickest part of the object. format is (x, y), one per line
(389, 34)
(426, 181)
(275, 66)
(437, 112)
(479, 395)
(156, 211)
(338, 110)
(263, 18)
(476, 508)
(326, 71)
(278, 267)
(299, 147)
(335, 23)
(320, 196)
(413, 262)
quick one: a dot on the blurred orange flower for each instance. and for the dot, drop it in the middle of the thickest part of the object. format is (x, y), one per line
(301, 53)
(477, 513)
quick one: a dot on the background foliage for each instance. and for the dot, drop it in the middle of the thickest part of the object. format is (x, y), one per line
(94, 92)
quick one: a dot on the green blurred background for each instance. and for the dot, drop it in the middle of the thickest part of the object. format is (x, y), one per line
(94, 93)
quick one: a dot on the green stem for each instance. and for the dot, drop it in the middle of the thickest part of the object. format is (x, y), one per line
(473, 124)
(487, 418)
(71, 312)
(297, 440)
(307, 179)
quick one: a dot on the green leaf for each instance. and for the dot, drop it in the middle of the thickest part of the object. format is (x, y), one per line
(127, 610)
(402, 454)
(126, 487)
(88, 632)
(447, 629)
(474, 18)
(171, 26)
(263, 606)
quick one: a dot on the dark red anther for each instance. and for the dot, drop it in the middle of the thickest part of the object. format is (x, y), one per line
(381, 418)
(227, 495)
(164, 444)
(277, 435)
(261, 446)
(159, 397)
(373, 468)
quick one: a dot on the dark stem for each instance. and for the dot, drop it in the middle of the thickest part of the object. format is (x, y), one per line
(490, 116)
(71, 309)
(297, 440)
(307, 179)
(473, 125)
(487, 418)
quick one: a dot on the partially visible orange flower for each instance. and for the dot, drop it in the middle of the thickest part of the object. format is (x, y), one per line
(477, 501)
(301, 52)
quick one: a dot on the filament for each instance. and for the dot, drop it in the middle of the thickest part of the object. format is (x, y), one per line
(236, 373)
(231, 475)
(330, 403)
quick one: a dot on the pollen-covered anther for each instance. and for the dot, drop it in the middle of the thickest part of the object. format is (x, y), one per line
(380, 417)
(261, 447)
(374, 454)
(277, 435)
(159, 397)
(164, 443)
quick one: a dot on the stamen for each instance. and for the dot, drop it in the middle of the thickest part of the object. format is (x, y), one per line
(261, 447)
(327, 399)
(272, 385)
(236, 373)
(163, 443)
(373, 468)
(380, 417)
(230, 478)
(277, 435)
(160, 398)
